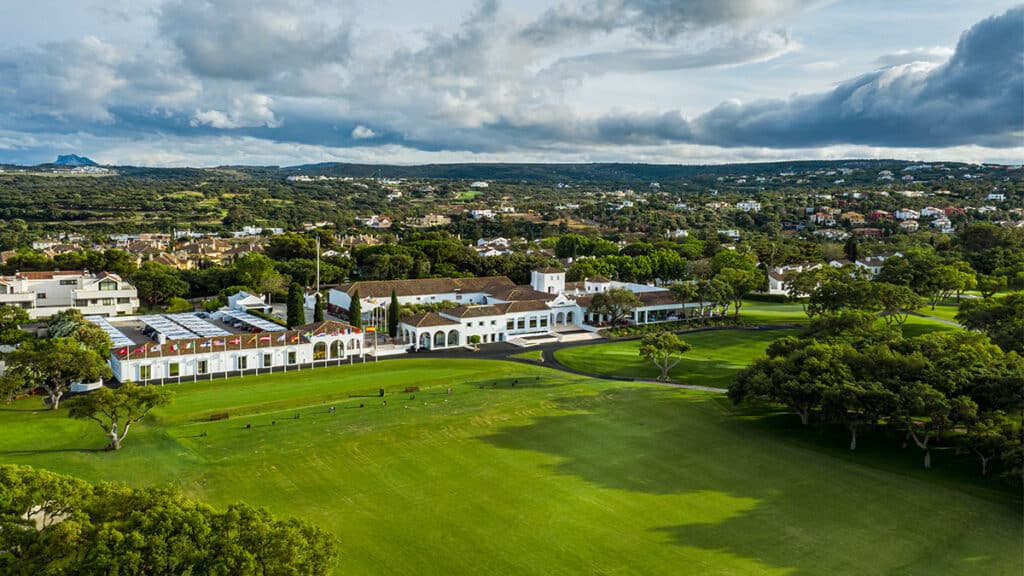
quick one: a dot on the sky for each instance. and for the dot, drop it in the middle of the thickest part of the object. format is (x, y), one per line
(287, 82)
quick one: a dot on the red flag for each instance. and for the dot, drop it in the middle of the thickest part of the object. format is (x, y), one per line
(235, 341)
(123, 351)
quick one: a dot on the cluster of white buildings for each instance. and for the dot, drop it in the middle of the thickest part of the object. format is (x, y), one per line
(778, 277)
(44, 294)
(495, 309)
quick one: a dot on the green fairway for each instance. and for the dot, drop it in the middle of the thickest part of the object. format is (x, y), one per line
(526, 470)
(716, 357)
(772, 312)
(467, 195)
(944, 311)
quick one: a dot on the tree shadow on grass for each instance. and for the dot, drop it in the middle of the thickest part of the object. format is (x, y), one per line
(42, 451)
(814, 513)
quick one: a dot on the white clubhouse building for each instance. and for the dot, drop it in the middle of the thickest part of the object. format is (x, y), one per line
(495, 309)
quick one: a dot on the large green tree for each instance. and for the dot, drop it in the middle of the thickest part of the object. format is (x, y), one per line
(157, 283)
(896, 301)
(735, 284)
(796, 374)
(11, 320)
(116, 409)
(55, 524)
(1002, 319)
(616, 303)
(665, 350)
(53, 364)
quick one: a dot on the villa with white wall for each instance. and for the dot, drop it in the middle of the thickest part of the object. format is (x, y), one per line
(44, 294)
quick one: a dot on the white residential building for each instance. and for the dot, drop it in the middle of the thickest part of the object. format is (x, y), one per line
(749, 206)
(43, 294)
(778, 275)
(996, 197)
(873, 265)
(907, 214)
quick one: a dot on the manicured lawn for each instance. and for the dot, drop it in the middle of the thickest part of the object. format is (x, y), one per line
(714, 360)
(772, 312)
(468, 195)
(531, 355)
(944, 311)
(555, 475)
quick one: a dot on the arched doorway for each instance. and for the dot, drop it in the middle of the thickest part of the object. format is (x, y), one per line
(568, 318)
(320, 351)
(453, 338)
(425, 340)
(439, 340)
(560, 318)
(337, 350)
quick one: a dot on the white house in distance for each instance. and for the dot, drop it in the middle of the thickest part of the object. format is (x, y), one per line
(749, 206)
(43, 294)
(873, 265)
(495, 309)
(777, 276)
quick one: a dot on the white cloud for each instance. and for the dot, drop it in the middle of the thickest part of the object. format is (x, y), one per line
(361, 132)
(933, 54)
(250, 110)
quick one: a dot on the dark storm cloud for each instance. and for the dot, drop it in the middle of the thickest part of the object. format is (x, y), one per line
(975, 97)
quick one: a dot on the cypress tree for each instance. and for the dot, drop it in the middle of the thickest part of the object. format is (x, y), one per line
(296, 308)
(393, 311)
(851, 249)
(318, 310)
(355, 311)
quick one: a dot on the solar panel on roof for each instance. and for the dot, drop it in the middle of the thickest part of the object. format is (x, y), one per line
(197, 325)
(254, 321)
(117, 338)
(170, 330)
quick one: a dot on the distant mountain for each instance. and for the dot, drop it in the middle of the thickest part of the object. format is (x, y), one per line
(73, 160)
